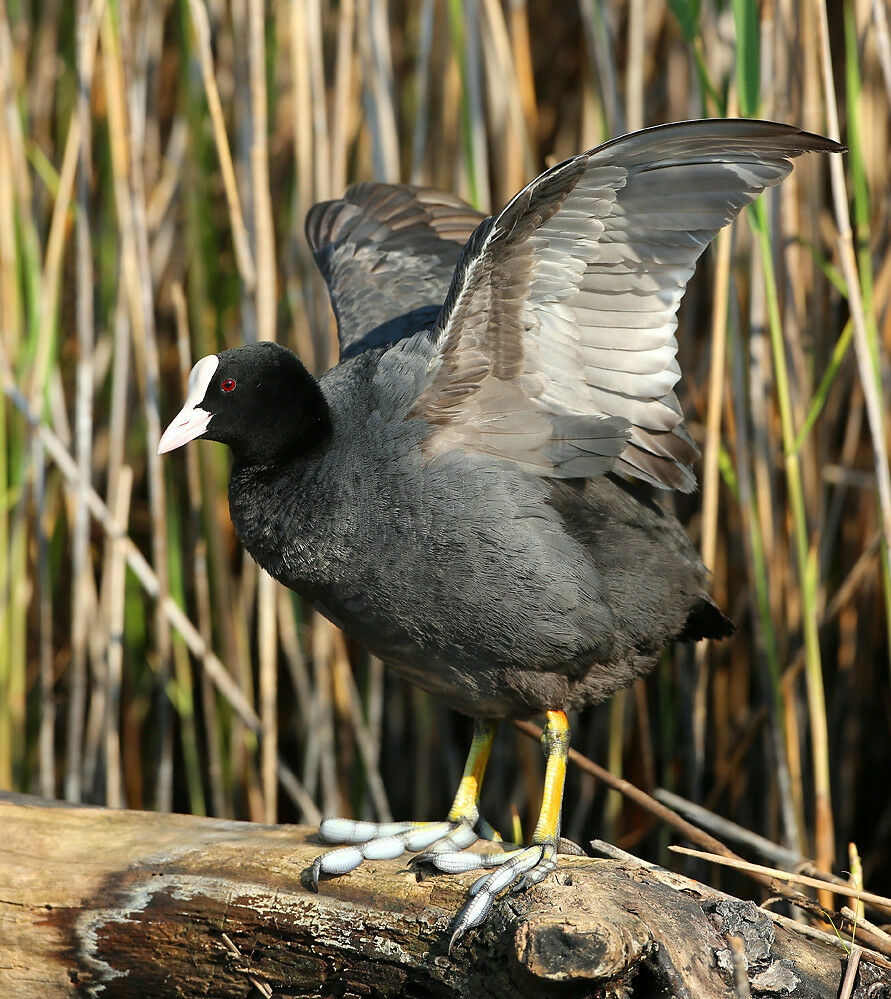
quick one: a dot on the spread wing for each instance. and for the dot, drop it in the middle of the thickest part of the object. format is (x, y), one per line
(556, 344)
(387, 253)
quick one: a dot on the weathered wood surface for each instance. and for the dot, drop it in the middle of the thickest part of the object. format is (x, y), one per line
(107, 903)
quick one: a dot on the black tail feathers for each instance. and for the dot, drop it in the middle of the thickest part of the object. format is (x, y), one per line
(705, 620)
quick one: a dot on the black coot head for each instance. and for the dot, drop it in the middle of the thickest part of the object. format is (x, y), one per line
(258, 399)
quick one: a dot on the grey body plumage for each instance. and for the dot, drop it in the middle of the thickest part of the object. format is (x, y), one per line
(501, 592)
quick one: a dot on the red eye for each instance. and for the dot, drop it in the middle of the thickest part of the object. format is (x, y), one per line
(227, 384)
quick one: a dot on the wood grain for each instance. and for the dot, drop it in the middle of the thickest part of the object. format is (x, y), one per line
(118, 903)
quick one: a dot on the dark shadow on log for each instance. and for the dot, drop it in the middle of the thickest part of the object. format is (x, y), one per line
(106, 903)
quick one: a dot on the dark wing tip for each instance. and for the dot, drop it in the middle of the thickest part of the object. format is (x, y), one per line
(813, 142)
(795, 139)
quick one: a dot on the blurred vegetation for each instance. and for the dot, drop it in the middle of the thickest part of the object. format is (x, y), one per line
(157, 158)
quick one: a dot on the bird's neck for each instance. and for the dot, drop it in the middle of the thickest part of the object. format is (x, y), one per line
(270, 513)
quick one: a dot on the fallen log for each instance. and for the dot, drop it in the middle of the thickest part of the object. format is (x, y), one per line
(120, 903)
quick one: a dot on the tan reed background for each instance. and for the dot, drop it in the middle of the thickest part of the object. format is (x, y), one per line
(157, 158)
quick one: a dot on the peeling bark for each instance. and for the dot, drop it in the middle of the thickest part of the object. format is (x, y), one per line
(114, 903)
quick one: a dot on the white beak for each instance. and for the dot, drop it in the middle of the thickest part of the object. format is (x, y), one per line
(191, 421)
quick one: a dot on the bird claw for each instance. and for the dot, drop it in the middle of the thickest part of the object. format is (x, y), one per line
(514, 872)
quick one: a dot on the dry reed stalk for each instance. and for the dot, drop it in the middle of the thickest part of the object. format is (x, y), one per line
(46, 740)
(114, 785)
(866, 364)
(77, 703)
(375, 703)
(710, 481)
(15, 154)
(10, 302)
(422, 76)
(360, 732)
(94, 733)
(518, 27)
(307, 28)
(148, 578)
(311, 156)
(294, 658)
(117, 412)
(268, 649)
(266, 330)
(341, 112)
(614, 760)
(377, 73)
(856, 879)
(883, 43)
(598, 38)
(240, 241)
(198, 544)
(475, 120)
(12, 576)
(76, 150)
(320, 754)
(764, 458)
(505, 113)
(634, 71)
(264, 231)
(126, 126)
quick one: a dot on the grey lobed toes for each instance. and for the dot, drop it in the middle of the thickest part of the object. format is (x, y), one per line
(385, 841)
(445, 849)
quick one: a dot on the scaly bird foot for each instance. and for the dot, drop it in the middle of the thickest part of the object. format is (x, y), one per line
(512, 871)
(387, 840)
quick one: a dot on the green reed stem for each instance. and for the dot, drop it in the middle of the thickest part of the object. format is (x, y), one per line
(807, 569)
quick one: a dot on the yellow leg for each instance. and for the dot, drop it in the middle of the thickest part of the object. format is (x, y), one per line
(516, 870)
(464, 807)
(555, 743)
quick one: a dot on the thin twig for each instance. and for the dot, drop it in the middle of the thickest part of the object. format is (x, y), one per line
(858, 922)
(729, 830)
(878, 901)
(853, 963)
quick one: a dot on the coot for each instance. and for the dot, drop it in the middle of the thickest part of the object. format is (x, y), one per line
(471, 493)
